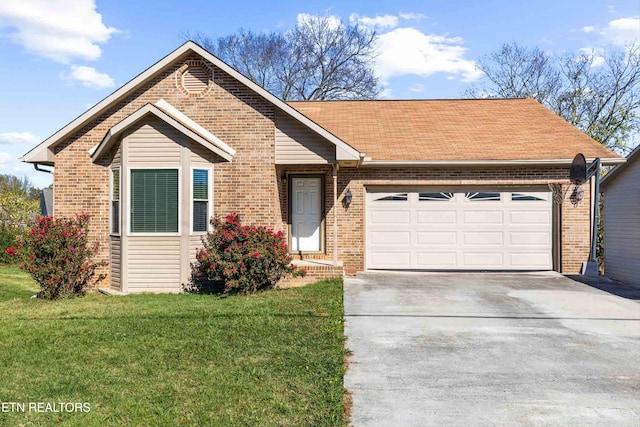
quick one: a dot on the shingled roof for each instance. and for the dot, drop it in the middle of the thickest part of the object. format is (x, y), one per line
(467, 129)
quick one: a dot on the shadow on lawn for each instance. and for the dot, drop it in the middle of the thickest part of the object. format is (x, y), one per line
(204, 287)
(611, 286)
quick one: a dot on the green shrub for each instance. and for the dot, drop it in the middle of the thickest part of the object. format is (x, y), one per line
(8, 238)
(243, 258)
(58, 256)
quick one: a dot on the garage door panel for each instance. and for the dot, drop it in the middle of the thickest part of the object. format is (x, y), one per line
(390, 217)
(483, 259)
(391, 238)
(464, 230)
(530, 217)
(483, 217)
(436, 217)
(439, 260)
(530, 238)
(436, 237)
(483, 238)
(391, 259)
(530, 260)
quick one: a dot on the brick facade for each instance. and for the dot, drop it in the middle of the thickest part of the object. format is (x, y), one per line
(231, 111)
(253, 185)
(575, 220)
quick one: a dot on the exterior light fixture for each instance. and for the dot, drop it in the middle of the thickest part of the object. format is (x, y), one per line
(576, 195)
(346, 200)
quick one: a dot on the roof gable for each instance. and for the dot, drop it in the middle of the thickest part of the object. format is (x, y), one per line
(43, 153)
(168, 114)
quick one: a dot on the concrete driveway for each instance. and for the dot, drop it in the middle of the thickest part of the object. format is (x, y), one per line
(469, 349)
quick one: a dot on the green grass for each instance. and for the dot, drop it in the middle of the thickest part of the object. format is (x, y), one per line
(275, 358)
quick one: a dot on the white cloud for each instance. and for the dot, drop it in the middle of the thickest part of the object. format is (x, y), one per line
(19, 138)
(384, 21)
(412, 16)
(623, 31)
(588, 29)
(417, 88)
(408, 51)
(332, 20)
(56, 29)
(89, 77)
(596, 54)
(5, 158)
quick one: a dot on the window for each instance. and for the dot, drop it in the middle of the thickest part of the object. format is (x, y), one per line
(399, 197)
(524, 197)
(115, 201)
(154, 201)
(200, 187)
(435, 196)
(482, 197)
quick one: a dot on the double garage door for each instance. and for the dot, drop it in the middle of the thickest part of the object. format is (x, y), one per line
(459, 230)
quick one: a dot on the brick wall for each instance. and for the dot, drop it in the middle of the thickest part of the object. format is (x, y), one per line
(232, 112)
(351, 221)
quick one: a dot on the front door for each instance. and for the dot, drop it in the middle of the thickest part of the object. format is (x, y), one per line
(306, 213)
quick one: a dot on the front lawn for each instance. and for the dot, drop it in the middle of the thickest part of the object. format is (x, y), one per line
(276, 358)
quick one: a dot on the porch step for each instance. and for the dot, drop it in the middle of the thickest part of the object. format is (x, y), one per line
(307, 257)
(316, 270)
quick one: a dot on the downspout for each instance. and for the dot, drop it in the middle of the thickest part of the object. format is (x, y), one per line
(335, 214)
(39, 169)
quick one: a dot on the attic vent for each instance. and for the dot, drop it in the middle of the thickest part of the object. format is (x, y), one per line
(194, 78)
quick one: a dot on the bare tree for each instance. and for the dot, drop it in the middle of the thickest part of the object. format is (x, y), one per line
(320, 59)
(601, 98)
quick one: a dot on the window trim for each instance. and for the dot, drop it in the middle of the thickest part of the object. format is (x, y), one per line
(209, 170)
(134, 234)
(111, 232)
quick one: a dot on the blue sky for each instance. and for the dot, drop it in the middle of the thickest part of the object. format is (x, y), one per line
(60, 57)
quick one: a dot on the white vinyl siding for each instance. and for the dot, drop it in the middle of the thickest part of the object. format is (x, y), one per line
(153, 143)
(297, 144)
(159, 262)
(117, 156)
(469, 229)
(115, 261)
(622, 225)
(153, 264)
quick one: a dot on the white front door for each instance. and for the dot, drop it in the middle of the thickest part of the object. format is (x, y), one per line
(306, 214)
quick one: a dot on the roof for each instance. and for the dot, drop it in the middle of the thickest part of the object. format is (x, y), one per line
(170, 115)
(613, 173)
(42, 153)
(453, 130)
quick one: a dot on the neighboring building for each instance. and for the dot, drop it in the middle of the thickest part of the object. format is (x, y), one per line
(46, 202)
(449, 184)
(621, 189)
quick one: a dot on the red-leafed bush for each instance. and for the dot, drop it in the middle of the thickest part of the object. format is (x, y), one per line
(57, 254)
(243, 258)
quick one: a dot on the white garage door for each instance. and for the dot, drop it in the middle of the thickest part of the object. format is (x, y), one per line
(468, 230)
